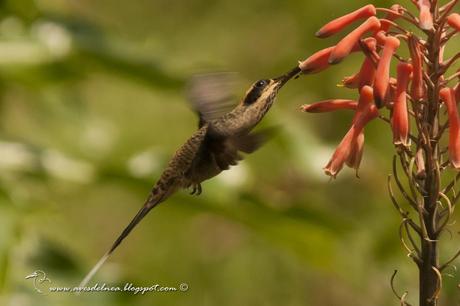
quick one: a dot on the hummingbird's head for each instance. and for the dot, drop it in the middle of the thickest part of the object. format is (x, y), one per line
(260, 97)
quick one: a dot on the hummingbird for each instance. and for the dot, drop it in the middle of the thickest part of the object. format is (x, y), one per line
(213, 148)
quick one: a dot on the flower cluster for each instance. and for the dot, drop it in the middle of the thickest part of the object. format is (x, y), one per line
(417, 91)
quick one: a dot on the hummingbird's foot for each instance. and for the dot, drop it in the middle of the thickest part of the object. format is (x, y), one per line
(196, 189)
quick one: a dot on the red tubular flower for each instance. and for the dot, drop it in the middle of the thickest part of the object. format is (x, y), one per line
(350, 81)
(383, 70)
(317, 62)
(390, 16)
(356, 153)
(391, 94)
(447, 95)
(400, 117)
(342, 153)
(350, 148)
(385, 25)
(320, 60)
(368, 41)
(338, 24)
(386, 22)
(366, 74)
(457, 92)
(417, 86)
(345, 46)
(366, 110)
(426, 19)
(381, 37)
(420, 163)
(329, 106)
(398, 10)
(454, 21)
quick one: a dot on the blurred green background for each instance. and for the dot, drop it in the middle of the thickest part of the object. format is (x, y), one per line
(93, 106)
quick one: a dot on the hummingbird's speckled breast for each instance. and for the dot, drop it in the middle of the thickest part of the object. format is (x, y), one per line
(182, 161)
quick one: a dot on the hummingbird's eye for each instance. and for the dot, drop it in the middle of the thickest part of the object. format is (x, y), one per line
(261, 83)
(255, 92)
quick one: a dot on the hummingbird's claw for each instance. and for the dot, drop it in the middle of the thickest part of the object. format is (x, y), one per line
(196, 189)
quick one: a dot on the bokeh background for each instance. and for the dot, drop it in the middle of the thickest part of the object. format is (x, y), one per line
(93, 106)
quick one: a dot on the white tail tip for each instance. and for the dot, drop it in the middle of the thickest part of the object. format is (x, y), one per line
(93, 271)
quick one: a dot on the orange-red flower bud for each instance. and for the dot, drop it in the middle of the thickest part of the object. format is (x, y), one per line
(447, 95)
(426, 19)
(329, 106)
(383, 70)
(317, 62)
(338, 24)
(400, 116)
(350, 148)
(417, 90)
(454, 21)
(345, 46)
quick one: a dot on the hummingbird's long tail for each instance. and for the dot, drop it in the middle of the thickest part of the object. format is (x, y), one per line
(154, 199)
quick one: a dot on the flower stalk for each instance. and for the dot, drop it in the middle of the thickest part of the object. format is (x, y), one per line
(421, 104)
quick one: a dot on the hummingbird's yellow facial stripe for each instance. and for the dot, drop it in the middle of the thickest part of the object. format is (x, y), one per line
(267, 92)
(259, 91)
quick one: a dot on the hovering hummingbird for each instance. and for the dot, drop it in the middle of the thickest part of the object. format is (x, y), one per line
(213, 148)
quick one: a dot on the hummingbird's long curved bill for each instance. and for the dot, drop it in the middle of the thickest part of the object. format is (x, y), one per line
(286, 77)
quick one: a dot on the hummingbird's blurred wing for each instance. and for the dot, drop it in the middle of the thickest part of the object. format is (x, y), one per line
(212, 95)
